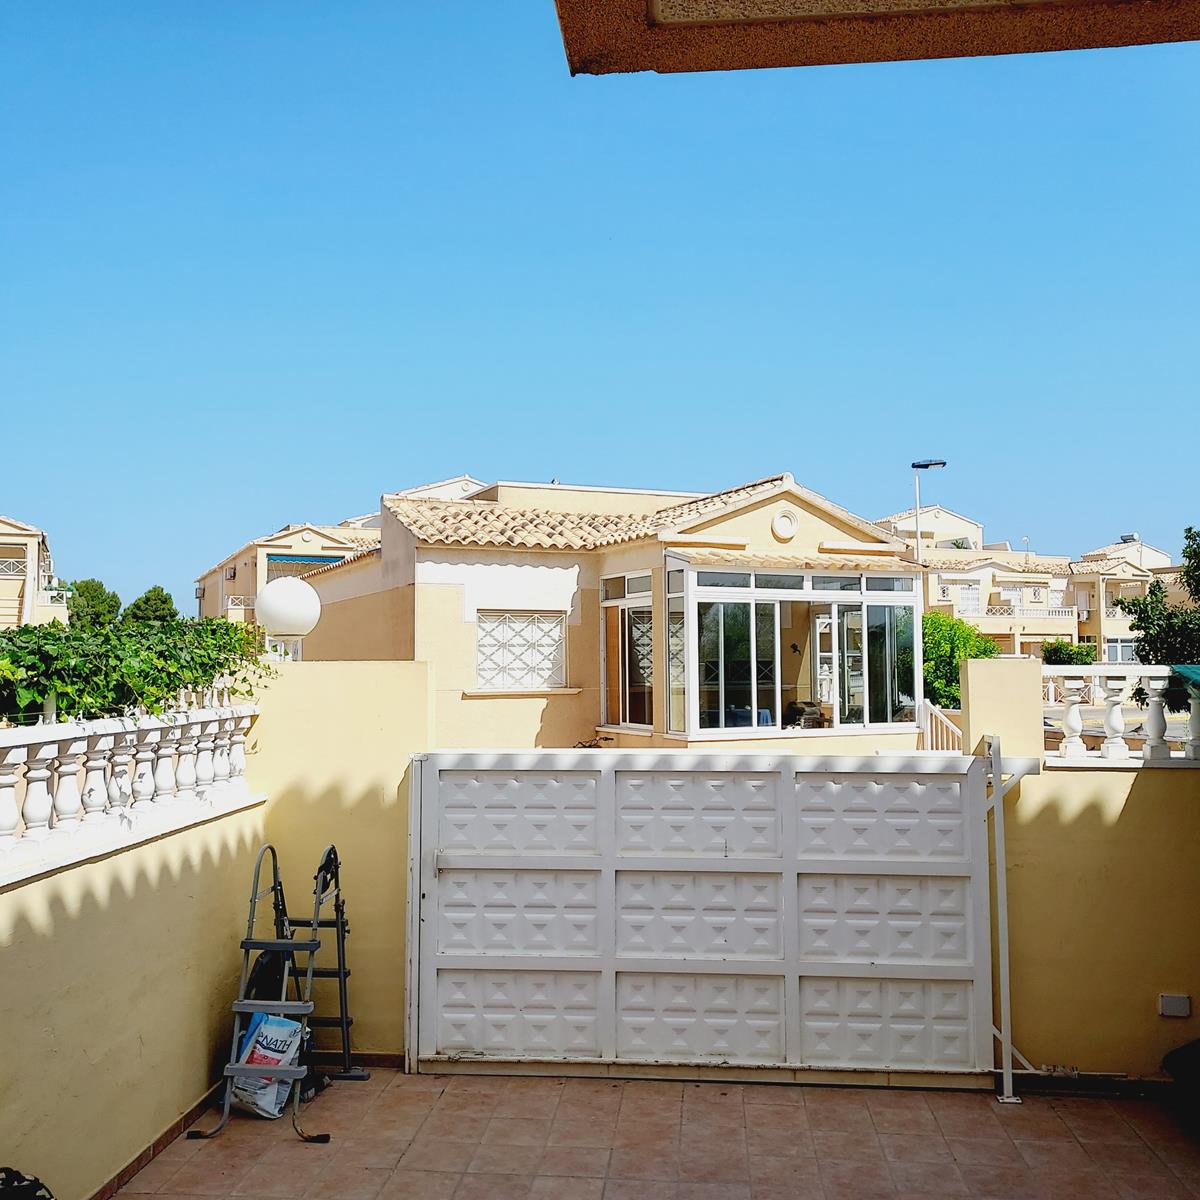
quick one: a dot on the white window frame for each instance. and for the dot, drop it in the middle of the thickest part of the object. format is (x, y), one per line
(1131, 642)
(694, 595)
(638, 600)
(558, 683)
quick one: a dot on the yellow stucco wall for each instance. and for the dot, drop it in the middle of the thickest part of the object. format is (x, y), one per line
(376, 625)
(116, 978)
(814, 526)
(331, 749)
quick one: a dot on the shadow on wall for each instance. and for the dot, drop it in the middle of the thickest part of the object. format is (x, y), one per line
(117, 978)
(1104, 891)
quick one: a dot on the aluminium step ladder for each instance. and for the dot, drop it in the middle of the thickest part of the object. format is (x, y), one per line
(328, 880)
(288, 946)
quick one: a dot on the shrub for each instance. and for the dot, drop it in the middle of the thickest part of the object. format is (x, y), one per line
(1061, 653)
(154, 604)
(947, 641)
(89, 602)
(114, 669)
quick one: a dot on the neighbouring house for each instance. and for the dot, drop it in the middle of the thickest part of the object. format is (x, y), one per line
(1020, 599)
(553, 614)
(30, 593)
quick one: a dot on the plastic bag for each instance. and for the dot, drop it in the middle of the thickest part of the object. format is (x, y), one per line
(270, 1041)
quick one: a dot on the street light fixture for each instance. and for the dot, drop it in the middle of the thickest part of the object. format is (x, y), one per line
(924, 464)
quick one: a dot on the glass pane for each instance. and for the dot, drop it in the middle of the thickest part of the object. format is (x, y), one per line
(890, 663)
(792, 582)
(735, 665)
(674, 583)
(850, 664)
(885, 583)
(723, 578)
(805, 655)
(639, 663)
(708, 666)
(835, 583)
(764, 665)
(676, 661)
(636, 584)
(612, 589)
(612, 666)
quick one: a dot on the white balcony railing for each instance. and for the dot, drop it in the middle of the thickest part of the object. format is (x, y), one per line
(70, 791)
(1072, 688)
(11, 568)
(1019, 610)
(938, 732)
(1114, 614)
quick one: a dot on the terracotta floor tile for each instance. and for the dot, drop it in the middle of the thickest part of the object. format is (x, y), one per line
(370, 1150)
(713, 1191)
(847, 1147)
(969, 1122)
(1138, 1186)
(1034, 1126)
(994, 1152)
(637, 1189)
(455, 1127)
(931, 1179)
(530, 1102)
(1100, 1127)
(901, 1112)
(584, 1109)
(806, 1189)
(716, 1164)
(856, 1181)
(783, 1172)
(281, 1178)
(774, 1093)
(553, 1187)
(1054, 1155)
(419, 1185)
(517, 1131)
(787, 1118)
(434, 1154)
(781, 1145)
(505, 1160)
(205, 1178)
(465, 1105)
(838, 1112)
(493, 1187)
(1121, 1156)
(348, 1183)
(573, 1160)
(580, 1132)
(632, 1137)
(152, 1177)
(1069, 1184)
(915, 1147)
(643, 1164)
(1000, 1183)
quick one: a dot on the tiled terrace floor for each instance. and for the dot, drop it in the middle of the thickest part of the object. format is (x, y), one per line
(469, 1138)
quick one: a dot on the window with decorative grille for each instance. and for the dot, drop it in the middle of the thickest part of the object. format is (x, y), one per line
(521, 651)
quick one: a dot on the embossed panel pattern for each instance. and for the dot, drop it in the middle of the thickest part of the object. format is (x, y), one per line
(907, 1023)
(691, 1018)
(678, 913)
(542, 1014)
(693, 812)
(855, 816)
(884, 918)
(517, 912)
(523, 811)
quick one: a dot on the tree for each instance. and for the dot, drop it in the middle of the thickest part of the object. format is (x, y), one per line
(154, 604)
(90, 603)
(1169, 634)
(947, 641)
(1061, 653)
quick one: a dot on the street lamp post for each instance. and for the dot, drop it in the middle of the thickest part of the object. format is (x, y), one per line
(923, 464)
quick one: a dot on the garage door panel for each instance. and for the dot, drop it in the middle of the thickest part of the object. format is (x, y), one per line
(697, 1017)
(526, 811)
(681, 812)
(518, 912)
(537, 1014)
(699, 915)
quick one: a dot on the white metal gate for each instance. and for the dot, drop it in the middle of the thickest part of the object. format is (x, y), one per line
(696, 909)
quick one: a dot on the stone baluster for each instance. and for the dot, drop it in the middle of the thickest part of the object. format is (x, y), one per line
(1192, 751)
(11, 760)
(164, 766)
(95, 776)
(185, 764)
(1072, 720)
(204, 758)
(120, 782)
(1114, 744)
(221, 754)
(1156, 722)
(143, 766)
(237, 752)
(38, 805)
(68, 803)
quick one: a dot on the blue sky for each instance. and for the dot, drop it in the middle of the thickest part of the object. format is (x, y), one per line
(261, 262)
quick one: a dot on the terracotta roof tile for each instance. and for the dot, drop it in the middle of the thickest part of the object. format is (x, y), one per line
(799, 562)
(357, 556)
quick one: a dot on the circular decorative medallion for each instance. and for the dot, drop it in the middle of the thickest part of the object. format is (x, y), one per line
(784, 525)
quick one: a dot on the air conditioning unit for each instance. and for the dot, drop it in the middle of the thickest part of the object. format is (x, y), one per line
(199, 592)
(231, 572)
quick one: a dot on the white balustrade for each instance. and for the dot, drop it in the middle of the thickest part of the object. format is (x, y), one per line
(1112, 686)
(938, 732)
(62, 784)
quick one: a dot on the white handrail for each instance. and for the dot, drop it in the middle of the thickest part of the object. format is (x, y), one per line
(938, 731)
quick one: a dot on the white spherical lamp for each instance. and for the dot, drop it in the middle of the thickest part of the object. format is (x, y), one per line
(287, 608)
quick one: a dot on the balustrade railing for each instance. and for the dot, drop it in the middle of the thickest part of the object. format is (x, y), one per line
(73, 789)
(938, 732)
(12, 567)
(1113, 686)
(239, 602)
(1020, 610)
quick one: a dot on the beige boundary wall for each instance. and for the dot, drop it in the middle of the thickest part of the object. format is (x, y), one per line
(116, 978)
